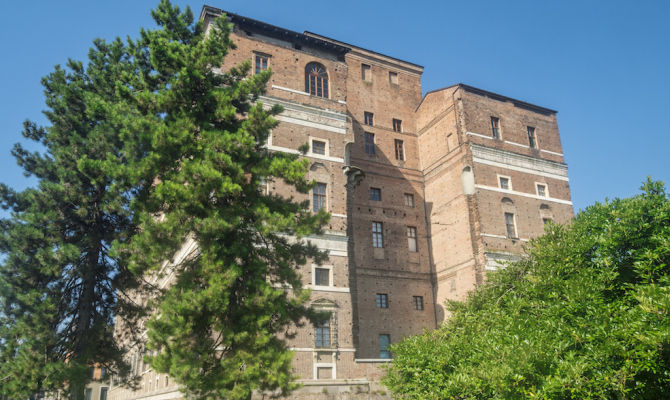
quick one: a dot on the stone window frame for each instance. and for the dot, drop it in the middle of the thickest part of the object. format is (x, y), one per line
(546, 189)
(511, 228)
(316, 80)
(330, 276)
(500, 178)
(326, 147)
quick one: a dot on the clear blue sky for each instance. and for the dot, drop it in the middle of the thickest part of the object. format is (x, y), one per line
(605, 66)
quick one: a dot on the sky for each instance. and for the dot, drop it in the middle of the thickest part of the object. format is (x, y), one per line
(604, 65)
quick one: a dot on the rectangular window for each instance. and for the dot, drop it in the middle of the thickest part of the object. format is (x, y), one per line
(384, 342)
(509, 225)
(369, 143)
(366, 73)
(399, 150)
(321, 276)
(504, 183)
(393, 78)
(409, 200)
(532, 139)
(103, 393)
(397, 125)
(87, 393)
(318, 147)
(418, 302)
(495, 127)
(368, 118)
(319, 197)
(375, 194)
(322, 335)
(546, 220)
(377, 235)
(541, 190)
(261, 63)
(411, 238)
(382, 300)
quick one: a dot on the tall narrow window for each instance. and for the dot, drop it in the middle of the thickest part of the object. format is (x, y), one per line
(541, 190)
(368, 118)
(369, 143)
(393, 78)
(261, 63)
(377, 235)
(319, 197)
(382, 300)
(399, 150)
(397, 125)
(504, 182)
(384, 342)
(316, 80)
(411, 238)
(366, 73)
(509, 225)
(409, 200)
(532, 139)
(322, 335)
(375, 194)
(495, 127)
(418, 302)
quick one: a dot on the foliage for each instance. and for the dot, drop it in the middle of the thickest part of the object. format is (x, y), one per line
(58, 280)
(584, 316)
(215, 328)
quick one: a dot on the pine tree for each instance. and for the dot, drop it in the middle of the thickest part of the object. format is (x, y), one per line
(215, 329)
(60, 287)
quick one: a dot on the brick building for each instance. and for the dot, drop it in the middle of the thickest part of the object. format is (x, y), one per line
(427, 193)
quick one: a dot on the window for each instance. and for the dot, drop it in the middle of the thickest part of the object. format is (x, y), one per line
(322, 335)
(261, 63)
(384, 342)
(319, 197)
(532, 139)
(382, 300)
(504, 182)
(418, 302)
(411, 238)
(368, 118)
(87, 393)
(397, 125)
(546, 220)
(541, 190)
(318, 147)
(399, 150)
(103, 393)
(375, 194)
(409, 200)
(370, 143)
(366, 73)
(393, 78)
(377, 235)
(495, 127)
(509, 225)
(321, 276)
(316, 80)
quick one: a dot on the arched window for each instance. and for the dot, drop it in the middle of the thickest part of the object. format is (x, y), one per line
(316, 80)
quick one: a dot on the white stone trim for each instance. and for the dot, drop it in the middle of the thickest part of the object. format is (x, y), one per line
(517, 144)
(290, 90)
(174, 394)
(339, 215)
(373, 360)
(532, 196)
(325, 365)
(479, 135)
(316, 156)
(330, 276)
(509, 182)
(494, 236)
(310, 349)
(518, 162)
(552, 152)
(310, 124)
(316, 288)
(546, 190)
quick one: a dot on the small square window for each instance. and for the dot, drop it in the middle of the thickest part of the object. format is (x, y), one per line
(261, 63)
(418, 302)
(370, 143)
(377, 235)
(321, 276)
(397, 125)
(382, 300)
(366, 73)
(399, 150)
(541, 190)
(318, 147)
(411, 238)
(409, 200)
(375, 194)
(384, 342)
(368, 118)
(504, 183)
(319, 197)
(393, 78)
(532, 139)
(495, 127)
(510, 226)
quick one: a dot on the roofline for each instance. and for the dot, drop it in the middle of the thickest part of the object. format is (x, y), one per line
(354, 47)
(493, 95)
(273, 29)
